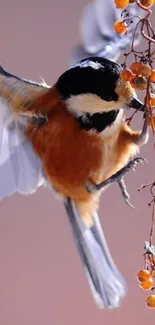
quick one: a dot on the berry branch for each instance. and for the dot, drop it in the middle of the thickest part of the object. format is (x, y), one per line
(141, 76)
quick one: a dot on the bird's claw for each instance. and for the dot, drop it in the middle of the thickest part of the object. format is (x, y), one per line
(125, 193)
(130, 204)
(132, 164)
(117, 177)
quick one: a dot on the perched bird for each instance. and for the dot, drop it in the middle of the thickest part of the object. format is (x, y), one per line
(73, 137)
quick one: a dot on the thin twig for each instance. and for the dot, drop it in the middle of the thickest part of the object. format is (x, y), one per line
(153, 221)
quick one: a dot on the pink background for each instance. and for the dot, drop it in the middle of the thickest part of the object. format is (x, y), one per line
(41, 279)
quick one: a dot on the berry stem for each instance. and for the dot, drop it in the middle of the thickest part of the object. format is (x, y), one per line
(153, 221)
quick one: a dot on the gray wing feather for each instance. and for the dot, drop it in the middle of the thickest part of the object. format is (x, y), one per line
(20, 168)
(107, 285)
(97, 35)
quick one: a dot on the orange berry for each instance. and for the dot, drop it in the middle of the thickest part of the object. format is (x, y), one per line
(153, 101)
(126, 75)
(132, 81)
(135, 67)
(121, 3)
(153, 272)
(140, 83)
(147, 3)
(133, 78)
(145, 70)
(143, 276)
(151, 123)
(147, 285)
(150, 301)
(152, 77)
(119, 27)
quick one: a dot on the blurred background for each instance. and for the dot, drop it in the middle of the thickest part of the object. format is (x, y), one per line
(41, 278)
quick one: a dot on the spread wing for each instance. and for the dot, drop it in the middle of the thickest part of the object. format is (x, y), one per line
(20, 168)
(97, 35)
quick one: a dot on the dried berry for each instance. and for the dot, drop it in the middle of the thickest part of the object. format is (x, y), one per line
(140, 83)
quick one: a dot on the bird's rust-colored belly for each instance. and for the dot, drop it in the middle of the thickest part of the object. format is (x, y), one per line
(69, 154)
(73, 157)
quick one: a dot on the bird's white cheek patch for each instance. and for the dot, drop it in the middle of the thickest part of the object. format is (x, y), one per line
(90, 103)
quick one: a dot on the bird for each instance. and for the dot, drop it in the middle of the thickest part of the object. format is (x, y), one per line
(72, 137)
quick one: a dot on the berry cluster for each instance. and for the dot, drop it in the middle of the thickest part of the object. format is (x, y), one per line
(141, 75)
(137, 76)
(146, 281)
(121, 25)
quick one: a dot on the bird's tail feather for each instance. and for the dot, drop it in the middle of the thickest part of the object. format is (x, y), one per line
(106, 283)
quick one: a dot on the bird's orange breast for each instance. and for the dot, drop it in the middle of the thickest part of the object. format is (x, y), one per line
(71, 156)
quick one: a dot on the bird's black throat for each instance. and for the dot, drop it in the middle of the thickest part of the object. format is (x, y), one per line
(97, 121)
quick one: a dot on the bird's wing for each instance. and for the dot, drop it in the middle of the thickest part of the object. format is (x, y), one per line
(20, 168)
(97, 35)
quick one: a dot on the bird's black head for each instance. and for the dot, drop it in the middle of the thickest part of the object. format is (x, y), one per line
(93, 85)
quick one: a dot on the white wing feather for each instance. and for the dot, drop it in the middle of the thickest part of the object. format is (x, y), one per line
(20, 168)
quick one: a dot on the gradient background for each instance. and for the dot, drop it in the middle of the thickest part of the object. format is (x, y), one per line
(41, 279)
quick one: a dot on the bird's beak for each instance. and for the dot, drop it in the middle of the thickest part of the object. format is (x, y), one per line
(137, 104)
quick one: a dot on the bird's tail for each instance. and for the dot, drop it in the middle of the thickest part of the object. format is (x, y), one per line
(106, 283)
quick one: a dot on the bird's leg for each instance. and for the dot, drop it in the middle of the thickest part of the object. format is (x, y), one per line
(141, 140)
(117, 177)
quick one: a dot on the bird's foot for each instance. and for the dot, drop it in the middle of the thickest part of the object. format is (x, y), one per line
(117, 177)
